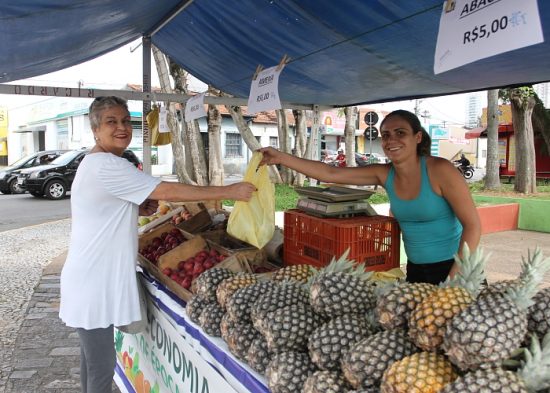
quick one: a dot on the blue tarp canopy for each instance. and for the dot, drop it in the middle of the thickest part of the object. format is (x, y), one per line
(342, 52)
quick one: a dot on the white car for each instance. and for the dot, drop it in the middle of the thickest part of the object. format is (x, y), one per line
(377, 158)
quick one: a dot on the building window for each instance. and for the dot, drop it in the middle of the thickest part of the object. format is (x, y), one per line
(62, 134)
(233, 145)
(274, 142)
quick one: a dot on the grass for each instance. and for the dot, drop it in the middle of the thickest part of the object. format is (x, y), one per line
(286, 198)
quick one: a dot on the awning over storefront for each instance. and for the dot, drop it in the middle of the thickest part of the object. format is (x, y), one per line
(481, 132)
(31, 129)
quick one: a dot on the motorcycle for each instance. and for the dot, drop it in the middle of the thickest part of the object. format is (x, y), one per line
(467, 171)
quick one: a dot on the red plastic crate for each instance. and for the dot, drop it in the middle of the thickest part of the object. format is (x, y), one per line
(373, 241)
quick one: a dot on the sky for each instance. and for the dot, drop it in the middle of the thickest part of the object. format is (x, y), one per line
(117, 68)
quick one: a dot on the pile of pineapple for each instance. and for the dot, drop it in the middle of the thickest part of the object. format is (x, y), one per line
(337, 330)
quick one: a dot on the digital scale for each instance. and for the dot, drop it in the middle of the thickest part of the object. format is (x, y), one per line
(335, 201)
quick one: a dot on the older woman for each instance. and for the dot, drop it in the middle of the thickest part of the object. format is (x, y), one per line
(428, 196)
(98, 282)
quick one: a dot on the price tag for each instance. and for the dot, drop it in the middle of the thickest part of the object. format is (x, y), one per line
(471, 30)
(163, 122)
(264, 91)
(194, 108)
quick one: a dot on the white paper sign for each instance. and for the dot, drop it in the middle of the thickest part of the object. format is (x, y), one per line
(163, 122)
(194, 108)
(264, 91)
(471, 30)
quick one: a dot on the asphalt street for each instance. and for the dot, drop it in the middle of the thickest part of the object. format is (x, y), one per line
(23, 210)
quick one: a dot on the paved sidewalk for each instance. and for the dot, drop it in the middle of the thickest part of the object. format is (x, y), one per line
(46, 354)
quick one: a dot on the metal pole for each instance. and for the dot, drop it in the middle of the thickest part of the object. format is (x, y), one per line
(146, 104)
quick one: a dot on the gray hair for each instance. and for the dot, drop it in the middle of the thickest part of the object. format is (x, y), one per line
(102, 103)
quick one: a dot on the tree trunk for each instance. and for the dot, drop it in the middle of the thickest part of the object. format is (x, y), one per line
(349, 134)
(180, 82)
(300, 143)
(175, 131)
(492, 178)
(284, 145)
(198, 156)
(215, 165)
(522, 110)
(249, 138)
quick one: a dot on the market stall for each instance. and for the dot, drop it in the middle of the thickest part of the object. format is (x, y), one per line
(175, 355)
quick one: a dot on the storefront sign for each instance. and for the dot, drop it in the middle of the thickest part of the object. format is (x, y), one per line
(161, 360)
(194, 108)
(264, 91)
(471, 30)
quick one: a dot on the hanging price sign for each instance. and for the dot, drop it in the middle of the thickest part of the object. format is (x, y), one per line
(471, 30)
(264, 91)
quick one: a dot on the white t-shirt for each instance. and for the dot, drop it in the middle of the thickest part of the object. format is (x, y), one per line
(98, 281)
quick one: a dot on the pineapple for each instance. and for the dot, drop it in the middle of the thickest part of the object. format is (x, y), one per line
(300, 273)
(288, 328)
(194, 308)
(238, 306)
(287, 372)
(283, 295)
(258, 356)
(341, 288)
(240, 338)
(329, 341)
(227, 324)
(430, 317)
(210, 319)
(539, 314)
(325, 382)
(423, 372)
(492, 327)
(228, 286)
(394, 307)
(207, 283)
(534, 375)
(365, 362)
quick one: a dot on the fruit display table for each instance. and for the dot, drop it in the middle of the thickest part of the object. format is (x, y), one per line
(174, 355)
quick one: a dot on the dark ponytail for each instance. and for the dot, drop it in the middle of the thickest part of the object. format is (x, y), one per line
(424, 148)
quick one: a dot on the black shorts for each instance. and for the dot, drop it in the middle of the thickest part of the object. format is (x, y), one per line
(433, 273)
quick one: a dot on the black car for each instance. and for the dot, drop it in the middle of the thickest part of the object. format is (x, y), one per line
(55, 179)
(8, 175)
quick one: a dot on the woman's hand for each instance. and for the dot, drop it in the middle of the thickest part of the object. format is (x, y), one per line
(271, 156)
(240, 191)
(148, 207)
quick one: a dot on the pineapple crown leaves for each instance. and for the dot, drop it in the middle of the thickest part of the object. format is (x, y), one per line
(471, 271)
(535, 371)
(531, 276)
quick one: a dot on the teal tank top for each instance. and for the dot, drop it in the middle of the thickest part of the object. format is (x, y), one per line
(431, 231)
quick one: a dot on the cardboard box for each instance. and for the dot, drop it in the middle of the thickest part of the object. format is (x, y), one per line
(226, 241)
(146, 238)
(200, 222)
(184, 251)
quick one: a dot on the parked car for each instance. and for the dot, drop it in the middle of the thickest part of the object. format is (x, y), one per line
(8, 175)
(55, 179)
(376, 158)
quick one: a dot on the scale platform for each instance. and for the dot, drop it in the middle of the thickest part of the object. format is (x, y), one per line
(335, 201)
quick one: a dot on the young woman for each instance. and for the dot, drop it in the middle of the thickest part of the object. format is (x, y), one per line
(98, 282)
(428, 196)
